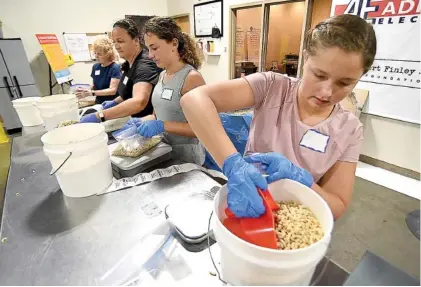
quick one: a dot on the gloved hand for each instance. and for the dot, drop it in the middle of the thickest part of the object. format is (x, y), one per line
(279, 167)
(132, 122)
(243, 178)
(91, 118)
(109, 104)
(151, 128)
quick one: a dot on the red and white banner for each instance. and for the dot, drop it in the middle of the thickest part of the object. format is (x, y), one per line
(394, 79)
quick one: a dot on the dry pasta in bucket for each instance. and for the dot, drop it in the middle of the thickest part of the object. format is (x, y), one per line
(67, 123)
(296, 226)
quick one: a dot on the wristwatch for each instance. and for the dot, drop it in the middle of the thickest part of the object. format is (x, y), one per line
(93, 93)
(101, 116)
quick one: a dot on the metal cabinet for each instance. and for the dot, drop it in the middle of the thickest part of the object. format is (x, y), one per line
(16, 80)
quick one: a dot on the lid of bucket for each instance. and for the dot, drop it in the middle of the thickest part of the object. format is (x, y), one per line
(26, 100)
(57, 98)
(72, 134)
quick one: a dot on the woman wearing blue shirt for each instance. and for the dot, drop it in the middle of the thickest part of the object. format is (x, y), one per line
(105, 74)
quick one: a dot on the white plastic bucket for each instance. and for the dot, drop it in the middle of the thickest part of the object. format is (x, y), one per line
(243, 263)
(58, 108)
(27, 111)
(88, 169)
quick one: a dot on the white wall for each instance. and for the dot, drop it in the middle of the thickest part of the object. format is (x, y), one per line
(392, 141)
(25, 18)
(387, 140)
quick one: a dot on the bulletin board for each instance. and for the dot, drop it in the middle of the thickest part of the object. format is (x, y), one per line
(394, 79)
(206, 16)
(91, 39)
(80, 45)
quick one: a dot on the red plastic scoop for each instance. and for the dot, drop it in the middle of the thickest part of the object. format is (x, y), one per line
(259, 231)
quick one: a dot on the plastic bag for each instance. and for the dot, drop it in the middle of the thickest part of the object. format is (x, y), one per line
(131, 144)
(131, 266)
(237, 126)
(73, 88)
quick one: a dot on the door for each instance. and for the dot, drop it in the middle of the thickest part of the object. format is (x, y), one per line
(5, 79)
(184, 23)
(246, 28)
(16, 61)
(27, 91)
(284, 37)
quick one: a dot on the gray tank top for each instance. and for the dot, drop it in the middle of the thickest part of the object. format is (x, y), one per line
(166, 103)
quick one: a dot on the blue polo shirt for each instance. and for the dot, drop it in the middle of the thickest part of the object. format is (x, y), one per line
(102, 78)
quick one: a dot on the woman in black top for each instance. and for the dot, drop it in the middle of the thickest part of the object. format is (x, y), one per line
(140, 75)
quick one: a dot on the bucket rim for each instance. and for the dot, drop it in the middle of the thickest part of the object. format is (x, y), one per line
(56, 98)
(26, 101)
(275, 251)
(45, 138)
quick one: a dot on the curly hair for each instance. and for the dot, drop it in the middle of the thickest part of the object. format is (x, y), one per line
(348, 32)
(166, 28)
(106, 46)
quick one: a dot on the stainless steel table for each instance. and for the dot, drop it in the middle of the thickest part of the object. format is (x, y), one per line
(49, 239)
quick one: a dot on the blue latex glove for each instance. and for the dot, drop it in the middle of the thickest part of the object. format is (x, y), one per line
(243, 199)
(151, 128)
(109, 104)
(279, 167)
(91, 118)
(132, 122)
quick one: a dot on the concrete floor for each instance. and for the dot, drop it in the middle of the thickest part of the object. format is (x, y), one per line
(375, 221)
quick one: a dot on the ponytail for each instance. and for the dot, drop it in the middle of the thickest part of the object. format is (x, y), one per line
(189, 53)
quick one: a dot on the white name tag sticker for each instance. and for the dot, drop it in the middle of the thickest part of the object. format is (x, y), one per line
(166, 94)
(315, 140)
(97, 72)
(125, 80)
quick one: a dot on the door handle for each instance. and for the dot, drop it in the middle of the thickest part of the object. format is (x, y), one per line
(18, 87)
(9, 89)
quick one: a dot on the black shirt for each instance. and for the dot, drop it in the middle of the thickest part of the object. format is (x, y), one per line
(142, 70)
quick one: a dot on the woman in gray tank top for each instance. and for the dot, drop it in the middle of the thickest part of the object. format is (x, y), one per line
(175, 52)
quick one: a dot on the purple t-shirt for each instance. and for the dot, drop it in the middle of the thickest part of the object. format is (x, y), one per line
(277, 127)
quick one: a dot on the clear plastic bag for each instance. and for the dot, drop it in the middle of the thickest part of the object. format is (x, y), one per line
(155, 260)
(131, 144)
(74, 88)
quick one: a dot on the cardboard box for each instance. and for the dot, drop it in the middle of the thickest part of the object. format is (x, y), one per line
(356, 101)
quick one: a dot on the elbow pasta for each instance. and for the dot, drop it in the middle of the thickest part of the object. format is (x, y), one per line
(67, 123)
(120, 150)
(296, 226)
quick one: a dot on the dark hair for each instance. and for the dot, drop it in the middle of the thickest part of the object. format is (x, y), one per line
(130, 26)
(348, 32)
(166, 28)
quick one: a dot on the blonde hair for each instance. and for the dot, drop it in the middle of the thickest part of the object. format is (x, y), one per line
(106, 46)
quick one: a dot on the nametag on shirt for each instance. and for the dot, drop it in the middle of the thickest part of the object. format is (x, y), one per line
(97, 72)
(315, 140)
(125, 80)
(166, 94)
